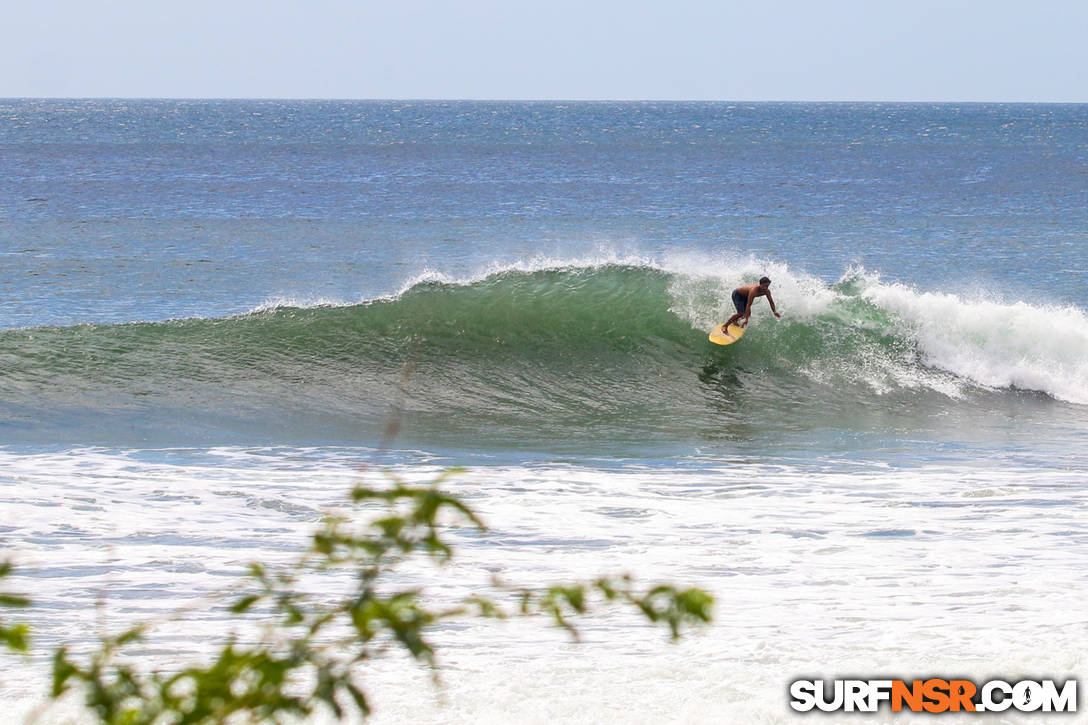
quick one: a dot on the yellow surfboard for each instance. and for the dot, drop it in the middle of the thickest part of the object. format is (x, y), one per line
(721, 338)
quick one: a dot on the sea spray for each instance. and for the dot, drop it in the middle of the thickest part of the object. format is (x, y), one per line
(1029, 345)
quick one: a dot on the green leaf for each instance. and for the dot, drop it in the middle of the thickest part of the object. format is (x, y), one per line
(486, 608)
(16, 637)
(243, 604)
(130, 635)
(359, 698)
(696, 603)
(325, 691)
(63, 670)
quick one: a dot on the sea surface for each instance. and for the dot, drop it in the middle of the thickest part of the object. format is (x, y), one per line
(215, 314)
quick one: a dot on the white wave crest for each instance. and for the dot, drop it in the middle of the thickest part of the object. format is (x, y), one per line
(994, 343)
(702, 287)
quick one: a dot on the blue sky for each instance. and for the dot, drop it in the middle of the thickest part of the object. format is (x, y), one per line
(849, 50)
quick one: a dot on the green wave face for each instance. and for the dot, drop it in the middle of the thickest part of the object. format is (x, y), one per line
(583, 355)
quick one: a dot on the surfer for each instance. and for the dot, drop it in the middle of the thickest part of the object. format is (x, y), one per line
(744, 296)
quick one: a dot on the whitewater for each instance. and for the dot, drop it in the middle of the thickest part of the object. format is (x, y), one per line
(218, 316)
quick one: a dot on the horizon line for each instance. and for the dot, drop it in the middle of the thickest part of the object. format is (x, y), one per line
(425, 99)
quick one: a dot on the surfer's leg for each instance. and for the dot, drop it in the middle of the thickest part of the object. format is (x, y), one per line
(740, 301)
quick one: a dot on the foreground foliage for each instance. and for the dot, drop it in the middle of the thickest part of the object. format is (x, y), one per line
(14, 636)
(310, 650)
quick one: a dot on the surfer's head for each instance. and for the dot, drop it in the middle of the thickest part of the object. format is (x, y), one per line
(764, 281)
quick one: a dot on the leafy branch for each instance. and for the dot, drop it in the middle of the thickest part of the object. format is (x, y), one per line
(14, 636)
(310, 648)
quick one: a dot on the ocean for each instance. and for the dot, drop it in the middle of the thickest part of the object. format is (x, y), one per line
(213, 313)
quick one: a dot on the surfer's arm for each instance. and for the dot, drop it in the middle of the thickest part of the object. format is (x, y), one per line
(771, 301)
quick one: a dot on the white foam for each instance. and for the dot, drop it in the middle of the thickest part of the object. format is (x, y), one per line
(925, 571)
(703, 286)
(992, 342)
(272, 304)
(603, 257)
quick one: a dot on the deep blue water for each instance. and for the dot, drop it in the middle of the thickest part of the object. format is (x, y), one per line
(358, 240)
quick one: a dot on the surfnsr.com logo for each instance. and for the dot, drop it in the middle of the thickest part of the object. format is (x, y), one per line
(933, 695)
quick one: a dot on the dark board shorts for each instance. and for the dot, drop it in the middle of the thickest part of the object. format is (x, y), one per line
(740, 301)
